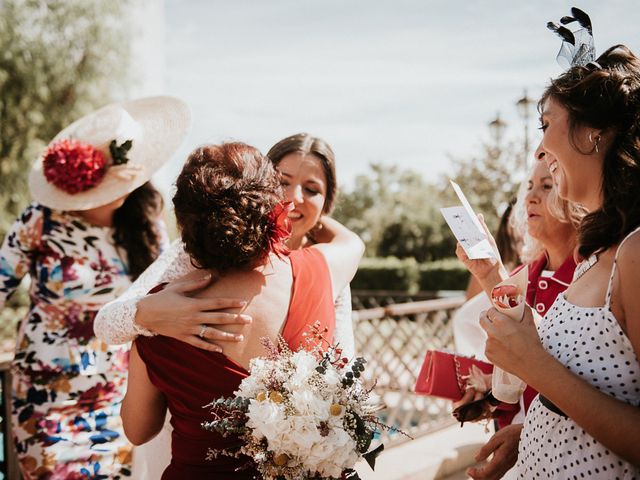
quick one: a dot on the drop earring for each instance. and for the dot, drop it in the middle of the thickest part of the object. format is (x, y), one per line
(595, 142)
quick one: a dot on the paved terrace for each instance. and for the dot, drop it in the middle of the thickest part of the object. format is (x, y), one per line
(444, 454)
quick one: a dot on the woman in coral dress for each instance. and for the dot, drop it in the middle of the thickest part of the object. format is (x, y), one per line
(307, 167)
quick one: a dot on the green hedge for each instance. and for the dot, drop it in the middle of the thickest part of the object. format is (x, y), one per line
(388, 273)
(448, 274)
(407, 275)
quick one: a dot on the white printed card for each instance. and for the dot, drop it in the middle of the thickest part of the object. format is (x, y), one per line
(466, 227)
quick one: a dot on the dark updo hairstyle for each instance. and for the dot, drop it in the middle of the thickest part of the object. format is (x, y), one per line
(223, 202)
(606, 96)
(309, 145)
(136, 227)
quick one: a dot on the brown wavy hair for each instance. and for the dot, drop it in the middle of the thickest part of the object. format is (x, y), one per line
(136, 227)
(307, 144)
(606, 96)
(506, 241)
(223, 201)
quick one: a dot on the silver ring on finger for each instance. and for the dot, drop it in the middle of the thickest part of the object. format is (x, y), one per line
(203, 329)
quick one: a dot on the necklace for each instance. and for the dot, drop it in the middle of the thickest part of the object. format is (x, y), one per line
(584, 266)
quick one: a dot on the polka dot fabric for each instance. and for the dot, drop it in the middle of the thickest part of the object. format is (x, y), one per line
(590, 342)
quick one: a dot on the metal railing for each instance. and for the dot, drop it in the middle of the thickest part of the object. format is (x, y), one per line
(366, 299)
(394, 340)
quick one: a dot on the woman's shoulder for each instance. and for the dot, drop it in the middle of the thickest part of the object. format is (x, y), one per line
(625, 259)
(49, 221)
(36, 208)
(626, 302)
(630, 242)
(28, 229)
(308, 259)
(309, 251)
(34, 213)
(628, 255)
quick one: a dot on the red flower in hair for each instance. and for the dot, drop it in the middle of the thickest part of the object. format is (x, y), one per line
(73, 166)
(280, 228)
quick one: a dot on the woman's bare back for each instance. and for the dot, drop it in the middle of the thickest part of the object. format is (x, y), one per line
(267, 291)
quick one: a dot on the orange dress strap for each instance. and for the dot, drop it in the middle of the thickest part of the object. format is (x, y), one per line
(311, 297)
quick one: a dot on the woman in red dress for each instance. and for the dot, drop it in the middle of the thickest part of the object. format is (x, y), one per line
(227, 204)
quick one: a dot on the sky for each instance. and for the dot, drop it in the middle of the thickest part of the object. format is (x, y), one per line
(404, 82)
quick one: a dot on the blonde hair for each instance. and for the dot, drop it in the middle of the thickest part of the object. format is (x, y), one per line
(563, 210)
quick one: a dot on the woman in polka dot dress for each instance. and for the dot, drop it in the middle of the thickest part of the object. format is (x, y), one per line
(584, 357)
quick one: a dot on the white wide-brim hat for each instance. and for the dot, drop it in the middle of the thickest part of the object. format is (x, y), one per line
(156, 125)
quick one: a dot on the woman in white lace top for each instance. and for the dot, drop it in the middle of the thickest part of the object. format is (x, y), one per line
(306, 165)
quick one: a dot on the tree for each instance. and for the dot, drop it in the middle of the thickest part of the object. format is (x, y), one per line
(59, 60)
(489, 180)
(396, 212)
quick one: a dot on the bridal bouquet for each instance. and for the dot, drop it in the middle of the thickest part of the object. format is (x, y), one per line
(300, 415)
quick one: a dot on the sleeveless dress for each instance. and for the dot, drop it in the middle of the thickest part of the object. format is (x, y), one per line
(114, 324)
(67, 384)
(190, 377)
(589, 342)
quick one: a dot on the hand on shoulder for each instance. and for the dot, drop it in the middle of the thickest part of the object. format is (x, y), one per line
(173, 312)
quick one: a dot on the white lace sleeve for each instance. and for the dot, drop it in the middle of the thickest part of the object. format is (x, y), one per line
(114, 323)
(344, 324)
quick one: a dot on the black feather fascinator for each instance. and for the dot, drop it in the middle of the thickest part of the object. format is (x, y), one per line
(577, 47)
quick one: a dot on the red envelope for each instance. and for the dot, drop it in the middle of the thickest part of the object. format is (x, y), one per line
(442, 374)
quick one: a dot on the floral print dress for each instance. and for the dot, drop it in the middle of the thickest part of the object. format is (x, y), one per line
(67, 384)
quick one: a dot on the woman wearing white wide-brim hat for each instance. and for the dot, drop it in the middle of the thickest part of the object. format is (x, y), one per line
(95, 226)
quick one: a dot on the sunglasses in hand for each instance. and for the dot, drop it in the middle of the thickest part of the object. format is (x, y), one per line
(480, 409)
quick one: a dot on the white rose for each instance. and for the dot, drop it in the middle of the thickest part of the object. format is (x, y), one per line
(336, 453)
(302, 434)
(305, 367)
(257, 366)
(266, 419)
(249, 387)
(333, 379)
(310, 403)
(319, 453)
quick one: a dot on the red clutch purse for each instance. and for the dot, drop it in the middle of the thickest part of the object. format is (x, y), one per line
(442, 374)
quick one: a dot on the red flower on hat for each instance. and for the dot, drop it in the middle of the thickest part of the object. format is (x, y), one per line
(280, 228)
(73, 166)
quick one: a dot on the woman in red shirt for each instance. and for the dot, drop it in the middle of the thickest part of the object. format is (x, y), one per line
(548, 250)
